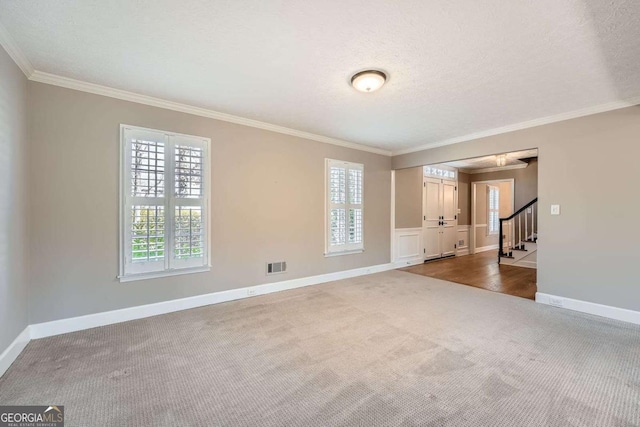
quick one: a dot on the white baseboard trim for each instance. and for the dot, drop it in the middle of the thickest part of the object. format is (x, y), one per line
(525, 263)
(13, 351)
(608, 311)
(487, 248)
(463, 251)
(407, 262)
(63, 326)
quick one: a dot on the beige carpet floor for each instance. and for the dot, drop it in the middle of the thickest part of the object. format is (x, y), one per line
(390, 349)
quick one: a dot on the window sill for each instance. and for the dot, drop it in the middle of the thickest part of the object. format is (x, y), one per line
(159, 274)
(332, 254)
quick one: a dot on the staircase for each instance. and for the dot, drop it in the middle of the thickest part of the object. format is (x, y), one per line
(519, 242)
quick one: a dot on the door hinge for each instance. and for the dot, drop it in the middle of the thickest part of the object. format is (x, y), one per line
(455, 217)
(456, 189)
(424, 218)
(424, 184)
(424, 251)
(455, 246)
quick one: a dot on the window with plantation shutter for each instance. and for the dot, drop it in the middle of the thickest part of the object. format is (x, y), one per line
(164, 203)
(345, 207)
(493, 209)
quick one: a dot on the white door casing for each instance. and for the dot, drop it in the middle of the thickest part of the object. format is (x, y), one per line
(474, 224)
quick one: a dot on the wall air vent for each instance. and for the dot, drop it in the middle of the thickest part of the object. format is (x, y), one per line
(460, 243)
(276, 267)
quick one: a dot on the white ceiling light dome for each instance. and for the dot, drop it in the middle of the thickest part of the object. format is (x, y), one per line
(368, 80)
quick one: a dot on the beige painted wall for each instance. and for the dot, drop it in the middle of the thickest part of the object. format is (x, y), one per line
(464, 198)
(409, 198)
(267, 205)
(590, 251)
(13, 177)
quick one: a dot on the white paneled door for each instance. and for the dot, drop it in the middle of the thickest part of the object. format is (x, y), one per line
(440, 220)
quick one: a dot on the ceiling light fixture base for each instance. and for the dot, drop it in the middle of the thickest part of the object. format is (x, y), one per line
(368, 80)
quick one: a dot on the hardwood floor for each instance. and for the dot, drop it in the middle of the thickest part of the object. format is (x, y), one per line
(482, 271)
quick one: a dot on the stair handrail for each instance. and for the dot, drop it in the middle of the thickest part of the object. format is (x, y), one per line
(509, 218)
(519, 211)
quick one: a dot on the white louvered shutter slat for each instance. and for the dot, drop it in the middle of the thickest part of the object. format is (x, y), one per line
(345, 206)
(145, 202)
(493, 209)
(164, 211)
(189, 209)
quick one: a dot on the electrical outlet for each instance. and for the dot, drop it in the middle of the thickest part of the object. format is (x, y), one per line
(251, 292)
(556, 302)
(555, 209)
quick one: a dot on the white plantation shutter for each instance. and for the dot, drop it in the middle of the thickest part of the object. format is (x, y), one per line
(145, 202)
(188, 204)
(345, 206)
(164, 211)
(493, 209)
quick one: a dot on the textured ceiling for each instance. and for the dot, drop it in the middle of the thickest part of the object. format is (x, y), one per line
(485, 162)
(456, 67)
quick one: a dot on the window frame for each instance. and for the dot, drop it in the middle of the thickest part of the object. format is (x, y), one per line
(129, 271)
(346, 248)
(440, 172)
(490, 230)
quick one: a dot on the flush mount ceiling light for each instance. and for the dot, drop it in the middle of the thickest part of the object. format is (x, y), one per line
(501, 159)
(368, 81)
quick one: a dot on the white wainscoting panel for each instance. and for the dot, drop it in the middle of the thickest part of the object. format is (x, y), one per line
(408, 247)
(463, 236)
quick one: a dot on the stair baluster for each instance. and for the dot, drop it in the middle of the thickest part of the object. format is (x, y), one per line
(519, 231)
(533, 222)
(508, 235)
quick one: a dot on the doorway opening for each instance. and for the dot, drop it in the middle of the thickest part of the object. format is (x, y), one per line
(477, 223)
(490, 201)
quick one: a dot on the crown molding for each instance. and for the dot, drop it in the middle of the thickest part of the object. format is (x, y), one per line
(10, 45)
(493, 169)
(69, 83)
(602, 108)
